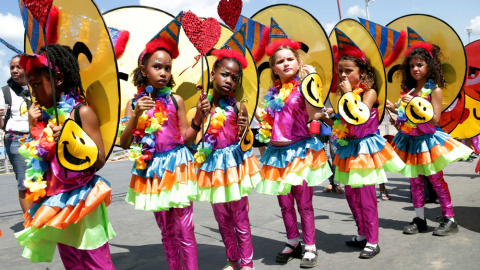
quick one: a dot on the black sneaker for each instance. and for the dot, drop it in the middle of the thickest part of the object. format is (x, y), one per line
(369, 252)
(355, 243)
(446, 227)
(416, 226)
(285, 257)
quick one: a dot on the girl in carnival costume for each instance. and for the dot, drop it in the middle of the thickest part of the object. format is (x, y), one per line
(226, 174)
(362, 156)
(163, 176)
(69, 206)
(424, 147)
(294, 161)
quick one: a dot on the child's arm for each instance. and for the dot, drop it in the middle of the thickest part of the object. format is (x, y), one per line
(437, 99)
(369, 98)
(34, 114)
(188, 133)
(144, 103)
(391, 107)
(317, 114)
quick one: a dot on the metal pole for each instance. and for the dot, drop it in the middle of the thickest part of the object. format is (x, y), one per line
(366, 8)
(469, 32)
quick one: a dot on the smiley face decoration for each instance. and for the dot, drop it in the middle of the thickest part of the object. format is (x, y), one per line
(76, 151)
(419, 110)
(311, 89)
(353, 110)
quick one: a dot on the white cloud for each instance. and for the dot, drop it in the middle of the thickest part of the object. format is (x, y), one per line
(4, 69)
(201, 8)
(356, 11)
(12, 29)
(475, 25)
(328, 27)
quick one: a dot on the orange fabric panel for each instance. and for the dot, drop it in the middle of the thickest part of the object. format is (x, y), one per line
(182, 174)
(232, 175)
(61, 218)
(315, 159)
(427, 157)
(365, 161)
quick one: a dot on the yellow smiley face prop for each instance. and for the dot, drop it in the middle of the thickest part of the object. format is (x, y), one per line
(247, 140)
(311, 89)
(419, 110)
(76, 151)
(353, 110)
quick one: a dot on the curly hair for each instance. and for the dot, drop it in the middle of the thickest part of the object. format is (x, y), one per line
(367, 76)
(65, 60)
(434, 67)
(139, 79)
(301, 73)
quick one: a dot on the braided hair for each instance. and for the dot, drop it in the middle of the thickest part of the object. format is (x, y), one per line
(64, 59)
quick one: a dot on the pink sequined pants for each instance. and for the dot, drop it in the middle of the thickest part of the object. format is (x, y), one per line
(79, 259)
(178, 237)
(363, 204)
(302, 195)
(234, 226)
(439, 185)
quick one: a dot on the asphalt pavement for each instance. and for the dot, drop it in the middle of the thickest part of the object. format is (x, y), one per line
(138, 242)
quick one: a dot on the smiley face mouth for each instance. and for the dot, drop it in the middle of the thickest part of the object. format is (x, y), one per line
(347, 111)
(415, 115)
(71, 158)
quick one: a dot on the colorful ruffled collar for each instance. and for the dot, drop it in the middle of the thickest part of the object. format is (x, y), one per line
(40, 148)
(149, 123)
(402, 121)
(275, 100)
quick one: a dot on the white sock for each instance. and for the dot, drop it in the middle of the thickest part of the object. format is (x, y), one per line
(309, 255)
(420, 212)
(451, 218)
(371, 245)
(293, 242)
(360, 237)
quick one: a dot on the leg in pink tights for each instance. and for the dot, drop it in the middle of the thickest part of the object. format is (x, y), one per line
(234, 226)
(78, 259)
(441, 187)
(363, 204)
(178, 237)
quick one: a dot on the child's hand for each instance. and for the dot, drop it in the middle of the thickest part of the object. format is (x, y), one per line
(242, 122)
(34, 114)
(56, 131)
(143, 104)
(393, 121)
(345, 86)
(406, 98)
(203, 104)
(329, 111)
(309, 69)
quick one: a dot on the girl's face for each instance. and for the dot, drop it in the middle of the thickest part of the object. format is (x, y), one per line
(286, 65)
(41, 87)
(348, 70)
(226, 77)
(16, 72)
(418, 68)
(158, 70)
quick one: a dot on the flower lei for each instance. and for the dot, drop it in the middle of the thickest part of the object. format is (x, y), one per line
(274, 102)
(39, 149)
(149, 123)
(217, 122)
(340, 128)
(402, 121)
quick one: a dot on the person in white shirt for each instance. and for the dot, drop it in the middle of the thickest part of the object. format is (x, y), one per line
(13, 97)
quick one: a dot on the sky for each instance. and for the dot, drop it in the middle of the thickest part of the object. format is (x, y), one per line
(460, 15)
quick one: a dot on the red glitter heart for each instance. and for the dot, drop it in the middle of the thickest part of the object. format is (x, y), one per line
(229, 11)
(39, 10)
(203, 34)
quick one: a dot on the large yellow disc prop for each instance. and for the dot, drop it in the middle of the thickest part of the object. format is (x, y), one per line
(364, 40)
(301, 26)
(435, 31)
(81, 27)
(311, 89)
(353, 110)
(127, 18)
(76, 151)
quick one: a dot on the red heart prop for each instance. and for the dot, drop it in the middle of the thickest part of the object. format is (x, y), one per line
(39, 10)
(203, 34)
(229, 11)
